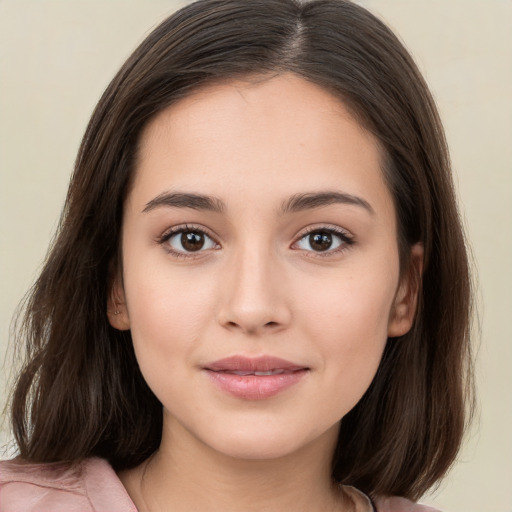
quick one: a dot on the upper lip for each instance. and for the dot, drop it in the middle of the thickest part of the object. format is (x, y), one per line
(253, 364)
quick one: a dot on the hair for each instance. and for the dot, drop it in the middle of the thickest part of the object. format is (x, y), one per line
(80, 392)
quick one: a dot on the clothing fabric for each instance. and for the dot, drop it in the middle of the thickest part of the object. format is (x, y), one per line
(93, 486)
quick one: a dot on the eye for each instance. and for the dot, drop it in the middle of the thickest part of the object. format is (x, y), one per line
(324, 240)
(183, 241)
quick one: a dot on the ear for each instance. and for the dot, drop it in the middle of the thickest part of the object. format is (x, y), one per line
(117, 312)
(405, 303)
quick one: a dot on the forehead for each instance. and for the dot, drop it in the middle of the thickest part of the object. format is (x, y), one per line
(259, 101)
(281, 134)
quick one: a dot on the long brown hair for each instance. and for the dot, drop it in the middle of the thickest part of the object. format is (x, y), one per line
(80, 392)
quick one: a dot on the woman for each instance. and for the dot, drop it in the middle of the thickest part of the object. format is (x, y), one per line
(259, 294)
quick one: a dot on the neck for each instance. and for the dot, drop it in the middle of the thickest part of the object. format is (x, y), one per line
(187, 475)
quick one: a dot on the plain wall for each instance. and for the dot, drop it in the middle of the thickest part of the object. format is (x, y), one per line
(56, 58)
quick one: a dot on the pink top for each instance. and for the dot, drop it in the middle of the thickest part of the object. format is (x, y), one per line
(93, 486)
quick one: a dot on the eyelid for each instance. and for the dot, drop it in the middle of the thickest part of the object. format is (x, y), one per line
(346, 237)
(170, 232)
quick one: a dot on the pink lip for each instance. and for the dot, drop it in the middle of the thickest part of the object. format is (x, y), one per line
(237, 376)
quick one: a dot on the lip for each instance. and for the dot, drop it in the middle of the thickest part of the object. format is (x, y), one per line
(255, 378)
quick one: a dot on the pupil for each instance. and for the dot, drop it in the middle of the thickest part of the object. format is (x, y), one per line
(320, 241)
(192, 241)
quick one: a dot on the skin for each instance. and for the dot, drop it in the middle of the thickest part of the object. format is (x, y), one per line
(257, 287)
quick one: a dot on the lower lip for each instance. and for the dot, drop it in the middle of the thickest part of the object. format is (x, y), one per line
(255, 387)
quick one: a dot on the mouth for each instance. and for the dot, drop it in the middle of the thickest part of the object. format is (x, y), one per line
(257, 373)
(254, 378)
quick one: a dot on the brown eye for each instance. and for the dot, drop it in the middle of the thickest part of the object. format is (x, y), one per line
(192, 241)
(324, 240)
(320, 241)
(188, 241)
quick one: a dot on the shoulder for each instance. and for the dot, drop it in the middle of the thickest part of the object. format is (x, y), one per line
(396, 504)
(87, 486)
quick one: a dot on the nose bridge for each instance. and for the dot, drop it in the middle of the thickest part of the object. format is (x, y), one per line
(254, 300)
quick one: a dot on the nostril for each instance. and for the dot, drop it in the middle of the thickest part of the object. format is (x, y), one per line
(235, 325)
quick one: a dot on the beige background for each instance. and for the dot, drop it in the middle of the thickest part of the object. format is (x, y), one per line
(56, 58)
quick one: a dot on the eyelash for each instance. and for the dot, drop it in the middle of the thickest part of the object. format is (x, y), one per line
(346, 240)
(165, 237)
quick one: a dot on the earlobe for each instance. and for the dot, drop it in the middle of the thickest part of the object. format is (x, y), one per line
(405, 304)
(117, 312)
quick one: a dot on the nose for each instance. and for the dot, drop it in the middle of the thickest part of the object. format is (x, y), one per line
(254, 299)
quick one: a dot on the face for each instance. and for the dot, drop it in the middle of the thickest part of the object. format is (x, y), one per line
(260, 266)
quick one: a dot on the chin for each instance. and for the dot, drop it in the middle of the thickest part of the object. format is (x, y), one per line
(268, 443)
(256, 449)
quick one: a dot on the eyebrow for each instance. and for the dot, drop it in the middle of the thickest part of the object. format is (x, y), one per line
(296, 203)
(186, 200)
(307, 201)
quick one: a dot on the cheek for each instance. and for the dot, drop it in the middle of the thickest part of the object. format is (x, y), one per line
(168, 313)
(348, 318)
(348, 306)
(350, 331)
